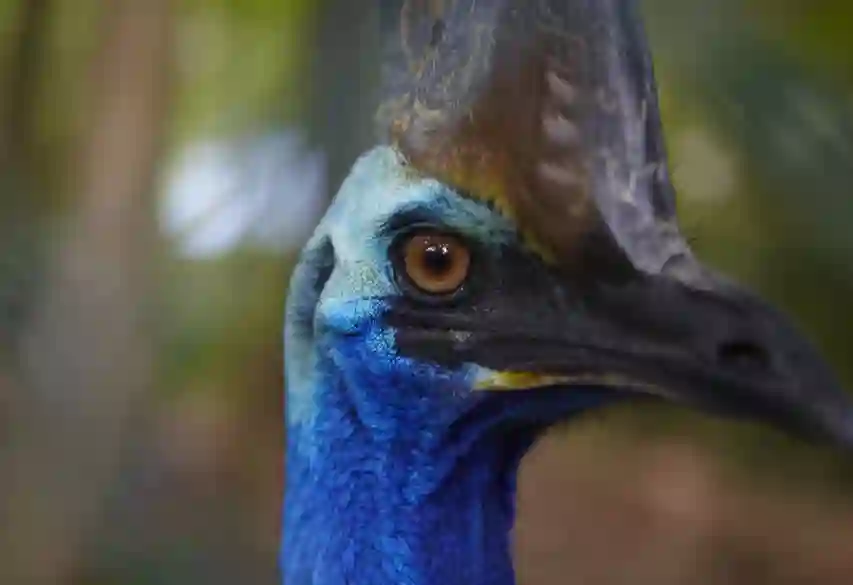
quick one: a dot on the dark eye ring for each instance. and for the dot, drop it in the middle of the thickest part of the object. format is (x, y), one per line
(435, 263)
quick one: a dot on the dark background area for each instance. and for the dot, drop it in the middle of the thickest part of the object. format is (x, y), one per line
(161, 163)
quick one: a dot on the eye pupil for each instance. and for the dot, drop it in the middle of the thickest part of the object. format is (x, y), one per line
(437, 259)
(435, 263)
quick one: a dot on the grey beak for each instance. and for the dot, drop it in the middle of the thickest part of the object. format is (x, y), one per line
(711, 344)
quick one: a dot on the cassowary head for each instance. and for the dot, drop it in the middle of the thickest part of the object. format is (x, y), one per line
(515, 249)
(435, 311)
(509, 258)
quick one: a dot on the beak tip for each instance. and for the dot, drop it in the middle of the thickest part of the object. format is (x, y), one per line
(835, 426)
(843, 431)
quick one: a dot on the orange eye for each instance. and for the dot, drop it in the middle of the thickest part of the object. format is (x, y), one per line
(436, 263)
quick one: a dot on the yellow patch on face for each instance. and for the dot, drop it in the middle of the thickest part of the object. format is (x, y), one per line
(517, 381)
(492, 380)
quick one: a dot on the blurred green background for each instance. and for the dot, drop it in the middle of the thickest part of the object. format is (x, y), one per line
(162, 161)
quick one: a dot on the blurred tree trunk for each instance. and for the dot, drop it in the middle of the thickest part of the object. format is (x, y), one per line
(21, 85)
(88, 352)
(21, 198)
(345, 72)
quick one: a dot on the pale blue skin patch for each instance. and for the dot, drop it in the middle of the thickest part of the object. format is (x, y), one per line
(379, 186)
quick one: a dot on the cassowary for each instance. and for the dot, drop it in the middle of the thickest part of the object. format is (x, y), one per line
(508, 258)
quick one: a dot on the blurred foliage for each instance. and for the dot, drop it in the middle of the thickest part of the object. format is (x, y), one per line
(758, 107)
(238, 62)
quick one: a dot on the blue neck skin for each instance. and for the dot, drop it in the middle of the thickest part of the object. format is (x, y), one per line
(417, 510)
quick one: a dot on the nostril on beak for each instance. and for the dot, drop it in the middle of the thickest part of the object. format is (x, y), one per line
(743, 355)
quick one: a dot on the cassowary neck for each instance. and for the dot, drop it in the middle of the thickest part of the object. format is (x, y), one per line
(363, 508)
